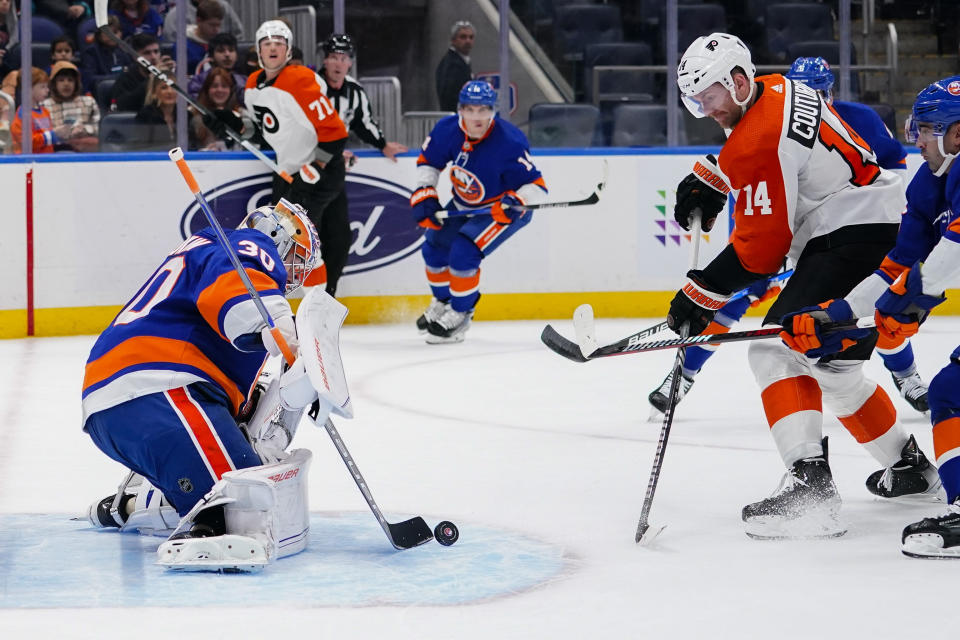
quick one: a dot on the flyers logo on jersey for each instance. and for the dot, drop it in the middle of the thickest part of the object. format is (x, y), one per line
(954, 88)
(266, 118)
(383, 232)
(467, 186)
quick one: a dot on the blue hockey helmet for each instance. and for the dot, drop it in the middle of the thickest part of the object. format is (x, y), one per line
(813, 72)
(937, 106)
(478, 92)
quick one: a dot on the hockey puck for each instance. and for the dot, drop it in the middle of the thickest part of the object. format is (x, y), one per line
(446, 533)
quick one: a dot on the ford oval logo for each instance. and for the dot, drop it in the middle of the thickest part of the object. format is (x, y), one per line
(383, 231)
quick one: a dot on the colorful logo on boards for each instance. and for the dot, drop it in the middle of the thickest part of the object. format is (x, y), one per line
(668, 231)
(383, 232)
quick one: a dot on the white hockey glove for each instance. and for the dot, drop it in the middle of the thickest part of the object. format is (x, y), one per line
(296, 390)
(288, 331)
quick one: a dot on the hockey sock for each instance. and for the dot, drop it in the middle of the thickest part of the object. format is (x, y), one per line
(946, 447)
(898, 359)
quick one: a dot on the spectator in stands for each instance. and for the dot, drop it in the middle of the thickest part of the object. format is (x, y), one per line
(454, 69)
(231, 21)
(67, 13)
(9, 34)
(221, 54)
(160, 107)
(251, 61)
(137, 16)
(349, 98)
(62, 48)
(130, 90)
(45, 135)
(68, 107)
(102, 58)
(209, 20)
(219, 95)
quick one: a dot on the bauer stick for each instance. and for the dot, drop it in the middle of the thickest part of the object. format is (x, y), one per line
(100, 13)
(402, 535)
(593, 198)
(645, 534)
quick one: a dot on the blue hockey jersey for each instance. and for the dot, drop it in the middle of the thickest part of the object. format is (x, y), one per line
(185, 324)
(932, 206)
(865, 121)
(483, 170)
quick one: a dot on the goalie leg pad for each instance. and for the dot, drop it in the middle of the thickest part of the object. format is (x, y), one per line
(152, 515)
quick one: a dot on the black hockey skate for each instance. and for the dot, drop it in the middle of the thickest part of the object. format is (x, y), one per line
(913, 390)
(805, 505)
(912, 475)
(659, 398)
(432, 314)
(937, 537)
(451, 326)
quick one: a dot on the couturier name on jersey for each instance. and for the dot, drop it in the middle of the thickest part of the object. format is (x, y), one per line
(804, 115)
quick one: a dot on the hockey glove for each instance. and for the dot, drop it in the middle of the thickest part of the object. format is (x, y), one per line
(804, 330)
(508, 209)
(296, 389)
(695, 304)
(425, 204)
(218, 121)
(903, 307)
(762, 290)
(704, 189)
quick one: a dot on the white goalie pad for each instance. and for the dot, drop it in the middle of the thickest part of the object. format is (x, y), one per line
(319, 319)
(267, 515)
(271, 427)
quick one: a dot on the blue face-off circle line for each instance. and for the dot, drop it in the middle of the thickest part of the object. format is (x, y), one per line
(51, 561)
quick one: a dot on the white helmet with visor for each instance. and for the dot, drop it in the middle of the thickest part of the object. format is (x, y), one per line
(711, 59)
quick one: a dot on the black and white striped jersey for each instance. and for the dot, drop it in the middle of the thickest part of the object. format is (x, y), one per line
(353, 105)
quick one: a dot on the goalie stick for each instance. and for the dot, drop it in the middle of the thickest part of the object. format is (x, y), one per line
(593, 198)
(402, 535)
(101, 15)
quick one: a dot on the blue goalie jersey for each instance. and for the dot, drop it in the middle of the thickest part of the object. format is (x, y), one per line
(190, 323)
(483, 170)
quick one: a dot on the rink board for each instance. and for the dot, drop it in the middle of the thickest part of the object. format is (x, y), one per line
(102, 223)
(348, 562)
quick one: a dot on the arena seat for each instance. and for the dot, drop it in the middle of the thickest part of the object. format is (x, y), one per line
(45, 29)
(795, 22)
(563, 125)
(632, 85)
(641, 125)
(577, 25)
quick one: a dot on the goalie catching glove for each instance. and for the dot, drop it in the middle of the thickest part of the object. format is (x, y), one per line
(695, 304)
(805, 331)
(704, 190)
(903, 307)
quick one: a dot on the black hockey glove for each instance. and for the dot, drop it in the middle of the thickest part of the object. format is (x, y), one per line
(695, 304)
(704, 189)
(218, 121)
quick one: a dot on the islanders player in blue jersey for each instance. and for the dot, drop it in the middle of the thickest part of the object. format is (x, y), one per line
(491, 172)
(928, 244)
(897, 355)
(164, 382)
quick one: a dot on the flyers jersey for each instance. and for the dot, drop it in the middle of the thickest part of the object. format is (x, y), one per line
(184, 325)
(293, 113)
(483, 170)
(799, 171)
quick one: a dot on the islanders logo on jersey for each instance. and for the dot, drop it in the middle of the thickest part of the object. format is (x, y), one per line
(466, 185)
(383, 232)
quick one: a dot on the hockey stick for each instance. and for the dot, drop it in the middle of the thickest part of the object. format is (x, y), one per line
(571, 350)
(593, 198)
(100, 14)
(402, 535)
(645, 534)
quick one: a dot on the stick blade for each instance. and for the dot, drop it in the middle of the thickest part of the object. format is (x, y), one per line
(647, 534)
(560, 345)
(583, 324)
(410, 533)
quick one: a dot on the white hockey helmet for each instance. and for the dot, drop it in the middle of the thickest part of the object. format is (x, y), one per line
(292, 231)
(274, 29)
(711, 59)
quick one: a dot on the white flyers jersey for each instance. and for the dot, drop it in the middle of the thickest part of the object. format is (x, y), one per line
(293, 113)
(799, 172)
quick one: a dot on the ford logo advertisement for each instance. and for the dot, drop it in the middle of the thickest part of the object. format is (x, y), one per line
(383, 231)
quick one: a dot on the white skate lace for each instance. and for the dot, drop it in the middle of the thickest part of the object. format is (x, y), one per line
(886, 480)
(435, 310)
(911, 387)
(451, 318)
(685, 384)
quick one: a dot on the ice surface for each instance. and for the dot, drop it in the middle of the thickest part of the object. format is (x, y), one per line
(537, 459)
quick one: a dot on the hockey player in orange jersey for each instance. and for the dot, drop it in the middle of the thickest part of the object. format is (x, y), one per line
(807, 188)
(298, 122)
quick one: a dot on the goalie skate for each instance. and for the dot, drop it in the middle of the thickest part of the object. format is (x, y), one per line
(226, 553)
(805, 505)
(937, 537)
(913, 476)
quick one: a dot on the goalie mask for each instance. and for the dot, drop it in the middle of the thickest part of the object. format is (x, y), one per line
(294, 235)
(711, 59)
